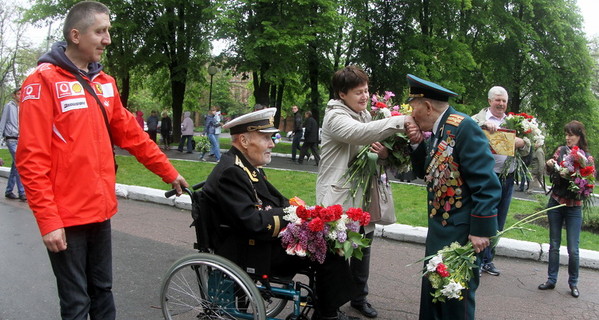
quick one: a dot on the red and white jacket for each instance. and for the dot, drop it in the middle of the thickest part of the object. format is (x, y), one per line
(65, 158)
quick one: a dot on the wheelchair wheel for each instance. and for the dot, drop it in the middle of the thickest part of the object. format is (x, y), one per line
(207, 286)
(274, 305)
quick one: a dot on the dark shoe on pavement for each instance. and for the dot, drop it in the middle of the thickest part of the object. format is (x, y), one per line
(490, 269)
(547, 286)
(366, 309)
(574, 291)
(11, 196)
(23, 197)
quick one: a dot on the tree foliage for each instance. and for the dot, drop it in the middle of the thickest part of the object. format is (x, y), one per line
(534, 48)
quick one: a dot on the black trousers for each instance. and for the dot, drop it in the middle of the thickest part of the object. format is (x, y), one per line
(304, 150)
(360, 270)
(84, 273)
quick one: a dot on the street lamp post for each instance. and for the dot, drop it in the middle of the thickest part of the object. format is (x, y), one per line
(211, 71)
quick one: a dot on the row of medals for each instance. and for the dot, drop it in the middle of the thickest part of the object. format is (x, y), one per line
(446, 180)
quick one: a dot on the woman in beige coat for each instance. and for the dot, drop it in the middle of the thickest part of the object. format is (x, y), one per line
(346, 128)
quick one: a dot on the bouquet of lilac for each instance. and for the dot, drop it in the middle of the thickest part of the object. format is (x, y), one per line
(312, 231)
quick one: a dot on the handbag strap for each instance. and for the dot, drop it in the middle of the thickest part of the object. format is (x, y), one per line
(89, 89)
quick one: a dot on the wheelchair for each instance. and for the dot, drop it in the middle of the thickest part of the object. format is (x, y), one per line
(208, 286)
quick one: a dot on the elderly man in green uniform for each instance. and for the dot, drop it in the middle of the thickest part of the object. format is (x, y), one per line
(247, 214)
(463, 190)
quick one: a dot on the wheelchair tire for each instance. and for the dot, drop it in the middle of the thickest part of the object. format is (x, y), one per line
(208, 286)
(274, 305)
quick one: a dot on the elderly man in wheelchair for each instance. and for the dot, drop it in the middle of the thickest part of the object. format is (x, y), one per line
(247, 211)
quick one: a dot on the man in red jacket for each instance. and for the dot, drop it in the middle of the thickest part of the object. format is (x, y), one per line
(71, 114)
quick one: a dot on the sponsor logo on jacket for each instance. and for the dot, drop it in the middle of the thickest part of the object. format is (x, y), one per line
(32, 91)
(69, 89)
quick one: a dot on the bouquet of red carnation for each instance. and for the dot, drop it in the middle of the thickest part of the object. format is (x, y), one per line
(314, 230)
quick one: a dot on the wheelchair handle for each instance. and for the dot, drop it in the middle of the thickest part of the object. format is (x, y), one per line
(189, 191)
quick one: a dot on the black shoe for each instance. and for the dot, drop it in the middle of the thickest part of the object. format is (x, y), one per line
(574, 291)
(490, 269)
(366, 309)
(547, 286)
(23, 197)
(11, 196)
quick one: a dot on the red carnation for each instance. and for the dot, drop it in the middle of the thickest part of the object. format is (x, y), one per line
(442, 270)
(380, 104)
(303, 213)
(316, 225)
(365, 220)
(354, 213)
(587, 171)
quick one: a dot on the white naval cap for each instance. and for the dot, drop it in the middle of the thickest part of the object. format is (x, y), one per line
(261, 121)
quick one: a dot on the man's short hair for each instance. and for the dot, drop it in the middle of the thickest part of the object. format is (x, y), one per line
(81, 17)
(497, 91)
(347, 79)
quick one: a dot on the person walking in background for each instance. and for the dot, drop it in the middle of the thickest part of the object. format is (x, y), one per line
(9, 130)
(166, 129)
(310, 138)
(152, 123)
(65, 147)
(218, 130)
(346, 128)
(140, 119)
(210, 125)
(469, 214)
(297, 132)
(186, 133)
(571, 213)
(491, 118)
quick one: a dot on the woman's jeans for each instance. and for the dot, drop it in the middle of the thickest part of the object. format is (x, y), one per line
(572, 217)
(84, 273)
(214, 145)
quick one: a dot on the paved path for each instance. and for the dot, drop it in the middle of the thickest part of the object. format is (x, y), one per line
(147, 238)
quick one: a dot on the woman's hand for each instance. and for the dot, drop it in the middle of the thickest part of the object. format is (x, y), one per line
(380, 150)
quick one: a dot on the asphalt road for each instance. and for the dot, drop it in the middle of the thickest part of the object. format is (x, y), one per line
(148, 238)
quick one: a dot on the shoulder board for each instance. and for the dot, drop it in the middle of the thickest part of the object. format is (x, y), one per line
(454, 119)
(252, 175)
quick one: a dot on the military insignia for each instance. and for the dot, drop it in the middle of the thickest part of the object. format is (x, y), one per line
(253, 175)
(269, 226)
(454, 120)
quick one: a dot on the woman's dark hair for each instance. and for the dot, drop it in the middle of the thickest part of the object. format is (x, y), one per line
(577, 128)
(347, 79)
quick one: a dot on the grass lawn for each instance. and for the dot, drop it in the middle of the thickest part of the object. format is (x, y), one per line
(410, 200)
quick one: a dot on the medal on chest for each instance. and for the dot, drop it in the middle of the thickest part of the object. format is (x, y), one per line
(443, 179)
